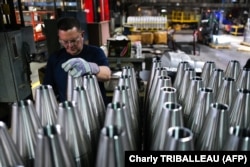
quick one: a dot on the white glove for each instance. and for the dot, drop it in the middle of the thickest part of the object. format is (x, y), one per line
(78, 67)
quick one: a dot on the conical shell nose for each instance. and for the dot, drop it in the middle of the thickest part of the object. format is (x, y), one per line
(179, 139)
(238, 139)
(214, 129)
(9, 154)
(52, 149)
(25, 123)
(112, 145)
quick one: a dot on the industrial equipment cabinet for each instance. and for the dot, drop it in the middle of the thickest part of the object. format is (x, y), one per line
(15, 82)
(35, 19)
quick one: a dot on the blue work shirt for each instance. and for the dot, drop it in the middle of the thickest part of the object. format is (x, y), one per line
(57, 77)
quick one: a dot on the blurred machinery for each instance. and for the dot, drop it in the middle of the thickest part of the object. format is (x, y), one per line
(14, 64)
(15, 47)
(185, 19)
(35, 19)
(209, 27)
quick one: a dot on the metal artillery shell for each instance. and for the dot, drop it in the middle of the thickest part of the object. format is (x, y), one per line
(127, 81)
(167, 94)
(179, 139)
(25, 123)
(180, 72)
(243, 81)
(238, 139)
(189, 99)
(9, 153)
(156, 63)
(122, 94)
(171, 115)
(207, 70)
(88, 115)
(233, 69)
(72, 83)
(91, 85)
(240, 109)
(75, 133)
(130, 71)
(199, 110)
(216, 80)
(112, 145)
(162, 81)
(159, 72)
(52, 149)
(226, 91)
(46, 104)
(117, 114)
(214, 130)
(189, 73)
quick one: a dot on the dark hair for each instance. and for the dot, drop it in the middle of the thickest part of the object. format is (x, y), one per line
(66, 23)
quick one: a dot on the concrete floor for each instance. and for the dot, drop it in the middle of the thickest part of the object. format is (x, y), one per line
(220, 56)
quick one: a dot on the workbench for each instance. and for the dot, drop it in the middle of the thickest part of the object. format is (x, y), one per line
(117, 63)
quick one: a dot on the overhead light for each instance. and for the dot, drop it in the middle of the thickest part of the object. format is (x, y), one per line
(177, 4)
(163, 10)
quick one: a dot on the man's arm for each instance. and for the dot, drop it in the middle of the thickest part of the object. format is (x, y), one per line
(104, 74)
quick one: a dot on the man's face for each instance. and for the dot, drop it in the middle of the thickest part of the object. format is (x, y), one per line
(71, 40)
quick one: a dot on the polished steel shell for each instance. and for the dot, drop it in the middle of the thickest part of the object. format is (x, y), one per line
(216, 80)
(52, 149)
(118, 115)
(207, 70)
(240, 110)
(24, 126)
(227, 91)
(46, 104)
(75, 133)
(179, 139)
(112, 145)
(199, 110)
(91, 84)
(243, 80)
(238, 140)
(214, 130)
(233, 69)
(189, 98)
(180, 72)
(167, 94)
(171, 115)
(189, 73)
(9, 155)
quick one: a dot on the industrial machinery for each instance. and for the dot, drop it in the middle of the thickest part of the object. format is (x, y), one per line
(15, 47)
(185, 18)
(209, 26)
(15, 72)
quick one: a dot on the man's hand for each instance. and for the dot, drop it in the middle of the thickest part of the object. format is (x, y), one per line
(78, 67)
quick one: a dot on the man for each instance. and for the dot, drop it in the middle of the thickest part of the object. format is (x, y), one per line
(74, 58)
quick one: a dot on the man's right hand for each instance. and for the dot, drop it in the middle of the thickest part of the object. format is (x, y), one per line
(78, 67)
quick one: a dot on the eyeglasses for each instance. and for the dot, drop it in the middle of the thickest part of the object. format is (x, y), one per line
(72, 42)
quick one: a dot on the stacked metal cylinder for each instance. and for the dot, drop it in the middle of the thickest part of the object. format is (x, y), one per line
(80, 131)
(190, 112)
(204, 112)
